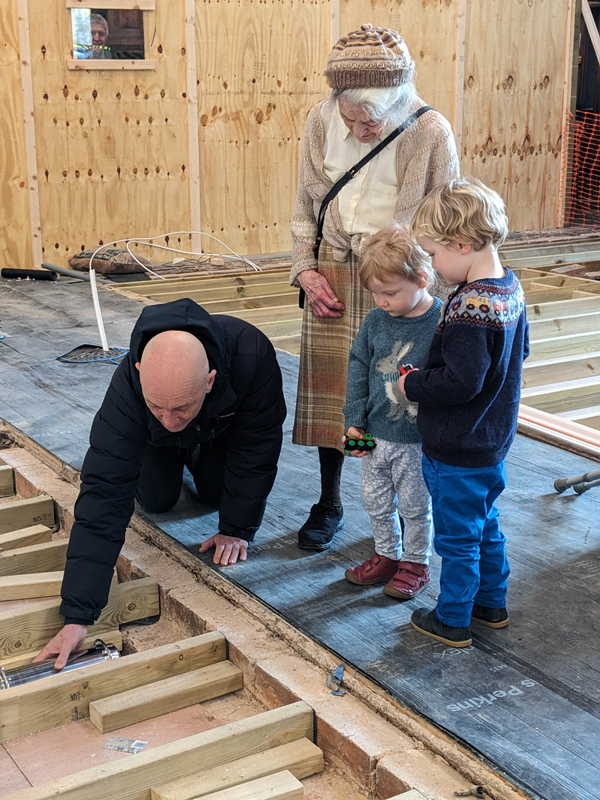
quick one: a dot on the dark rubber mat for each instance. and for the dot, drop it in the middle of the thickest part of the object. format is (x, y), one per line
(527, 697)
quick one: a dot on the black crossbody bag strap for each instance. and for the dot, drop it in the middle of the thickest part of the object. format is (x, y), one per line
(348, 175)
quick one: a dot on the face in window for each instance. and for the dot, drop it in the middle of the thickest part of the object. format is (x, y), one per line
(98, 34)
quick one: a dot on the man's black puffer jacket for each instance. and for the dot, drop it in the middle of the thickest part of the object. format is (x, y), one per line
(247, 398)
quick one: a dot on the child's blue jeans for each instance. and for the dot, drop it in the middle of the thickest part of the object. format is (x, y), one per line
(468, 538)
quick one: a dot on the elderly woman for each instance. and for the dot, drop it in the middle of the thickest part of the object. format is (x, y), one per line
(371, 74)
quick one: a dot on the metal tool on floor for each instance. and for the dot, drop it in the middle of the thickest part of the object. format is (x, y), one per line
(89, 353)
(580, 483)
(96, 654)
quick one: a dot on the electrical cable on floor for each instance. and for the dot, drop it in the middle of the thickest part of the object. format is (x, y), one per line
(149, 242)
(85, 354)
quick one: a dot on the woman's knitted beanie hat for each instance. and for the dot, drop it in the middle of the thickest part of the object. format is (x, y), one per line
(370, 57)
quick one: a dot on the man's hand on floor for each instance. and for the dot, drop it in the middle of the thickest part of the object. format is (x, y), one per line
(227, 549)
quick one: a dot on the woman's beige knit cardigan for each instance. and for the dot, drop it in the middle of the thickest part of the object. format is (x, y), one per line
(425, 157)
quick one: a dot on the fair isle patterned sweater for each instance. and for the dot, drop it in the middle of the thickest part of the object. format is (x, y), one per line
(425, 157)
(469, 389)
(383, 344)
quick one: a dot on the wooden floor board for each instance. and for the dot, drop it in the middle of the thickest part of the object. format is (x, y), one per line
(543, 727)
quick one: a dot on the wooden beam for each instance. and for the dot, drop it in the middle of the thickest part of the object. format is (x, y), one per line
(287, 298)
(207, 294)
(22, 513)
(132, 778)
(539, 373)
(142, 5)
(193, 128)
(109, 637)
(44, 557)
(31, 627)
(562, 396)
(23, 587)
(592, 30)
(562, 346)
(280, 786)
(7, 481)
(35, 225)
(45, 704)
(120, 64)
(562, 308)
(563, 326)
(35, 534)
(554, 293)
(222, 280)
(559, 432)
(261, 316)
(302, 758)
(169, 694)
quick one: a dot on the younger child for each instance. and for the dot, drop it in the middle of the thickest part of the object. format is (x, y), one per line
(398, 331)
(468, 395)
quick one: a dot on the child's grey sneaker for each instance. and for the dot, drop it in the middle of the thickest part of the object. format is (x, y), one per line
(492, 617)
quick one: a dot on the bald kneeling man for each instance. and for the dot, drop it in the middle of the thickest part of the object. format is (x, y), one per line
(195, 390)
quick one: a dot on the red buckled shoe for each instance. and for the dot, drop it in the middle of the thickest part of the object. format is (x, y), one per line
(377, 569)
(408, 581)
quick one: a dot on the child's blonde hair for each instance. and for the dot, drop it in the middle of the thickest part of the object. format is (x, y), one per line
(465, 211)
(390, 253)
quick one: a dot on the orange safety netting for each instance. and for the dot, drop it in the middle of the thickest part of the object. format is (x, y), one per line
(580, 194)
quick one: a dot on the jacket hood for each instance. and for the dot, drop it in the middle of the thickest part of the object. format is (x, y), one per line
(182, 315)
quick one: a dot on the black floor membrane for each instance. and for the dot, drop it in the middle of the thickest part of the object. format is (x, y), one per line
(527, 697)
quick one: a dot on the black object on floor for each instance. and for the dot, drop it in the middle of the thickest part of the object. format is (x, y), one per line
(34, 274)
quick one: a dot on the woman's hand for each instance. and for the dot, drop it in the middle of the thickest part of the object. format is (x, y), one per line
(320, 295)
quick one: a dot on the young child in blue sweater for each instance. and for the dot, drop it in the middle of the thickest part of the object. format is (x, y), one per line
(398, 331)
(468, 394)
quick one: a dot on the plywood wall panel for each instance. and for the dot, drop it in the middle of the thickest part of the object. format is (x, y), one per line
(114, 149)
(112, 146)
(513, 103)
(15, 233)
(260, 70)
(429, 29)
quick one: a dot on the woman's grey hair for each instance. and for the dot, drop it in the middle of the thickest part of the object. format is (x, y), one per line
(385, 103)
(99, 20)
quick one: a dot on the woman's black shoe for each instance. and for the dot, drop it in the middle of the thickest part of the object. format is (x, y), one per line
(324, 521)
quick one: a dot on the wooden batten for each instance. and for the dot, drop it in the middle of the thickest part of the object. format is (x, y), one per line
(23, 587)
(22, 513)
(563, 396)
(565, 346)
(132, 778)
(44, 557)
(31, 627)
(544, 371)
(301, 757)
(280, 786)
(169, 694)
(7, 481)
(47, 703)
(560, 432)
(35, 534)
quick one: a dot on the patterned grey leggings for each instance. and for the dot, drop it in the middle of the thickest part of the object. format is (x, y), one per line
(393, 486)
